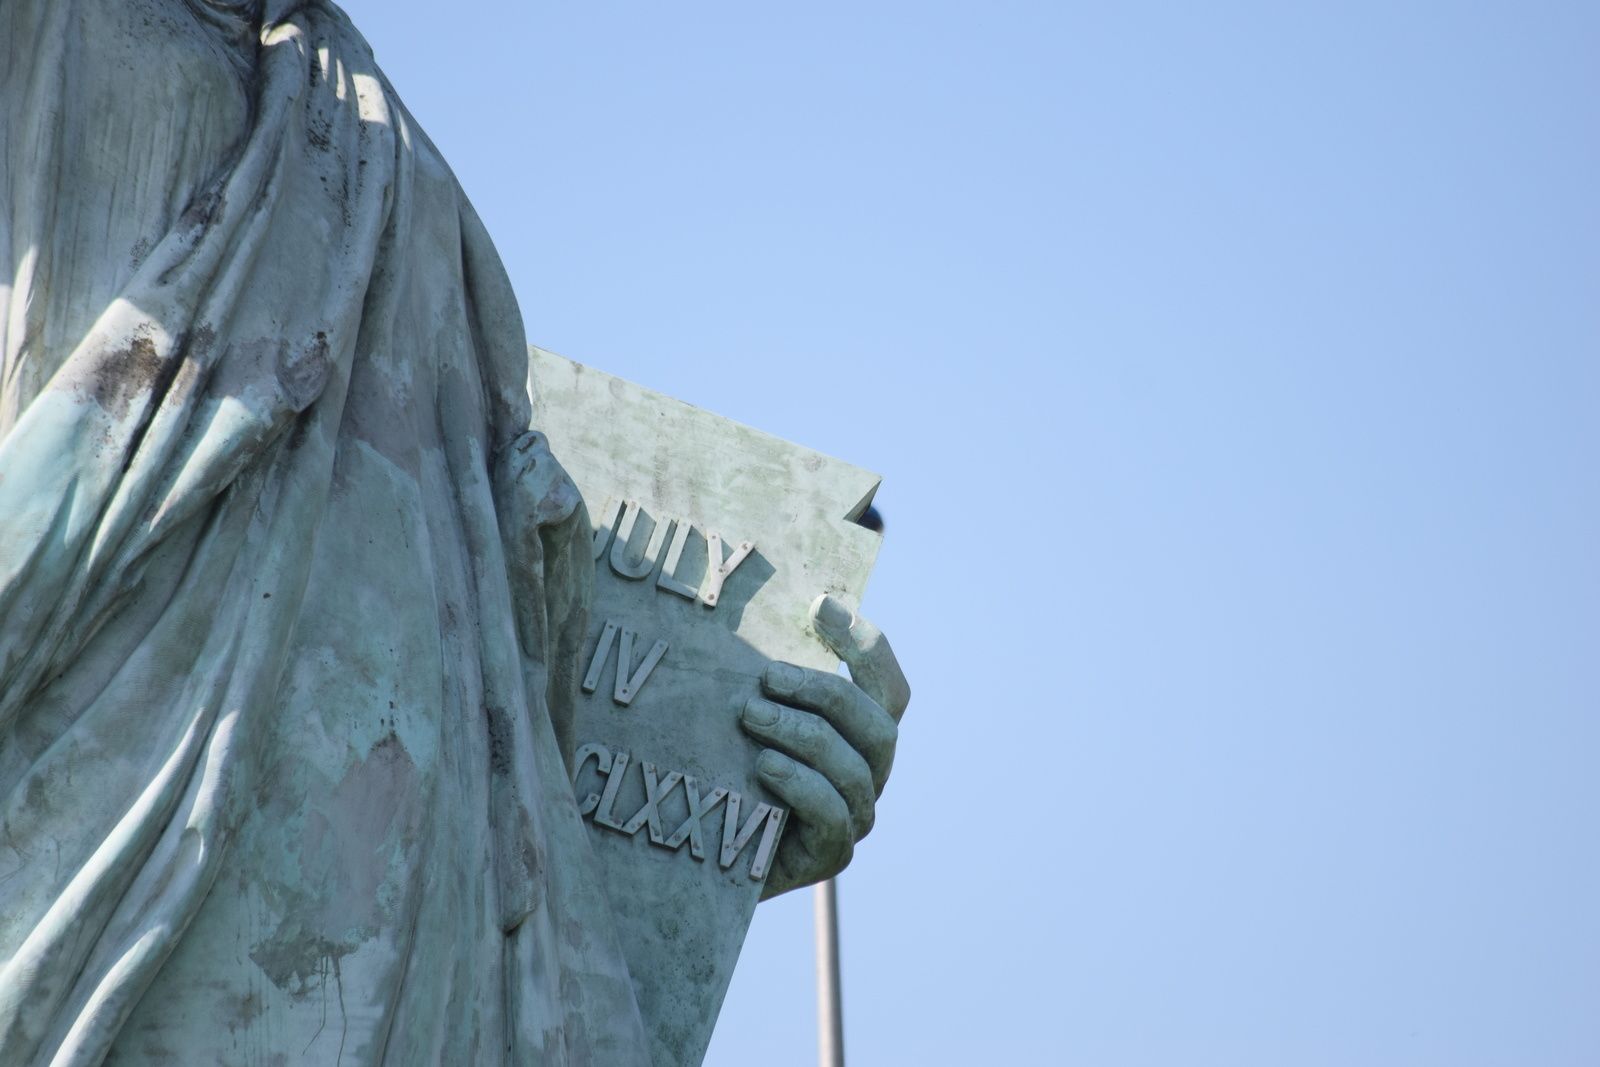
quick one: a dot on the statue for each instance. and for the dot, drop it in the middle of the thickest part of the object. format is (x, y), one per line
(290, 591)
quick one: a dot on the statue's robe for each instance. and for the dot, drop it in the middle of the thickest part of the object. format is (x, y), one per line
(279, 783)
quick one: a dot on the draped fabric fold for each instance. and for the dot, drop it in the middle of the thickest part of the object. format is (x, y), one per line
(277, 764)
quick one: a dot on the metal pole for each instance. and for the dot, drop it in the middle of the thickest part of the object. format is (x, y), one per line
(830, 1002)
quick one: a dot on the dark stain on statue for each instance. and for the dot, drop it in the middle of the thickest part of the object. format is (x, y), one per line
(246, 1010)
(127, 372)
(319, 129)
(303, 371)
(201, 340)
(202, 209)
(139, 368)
(327, 959)
(336, 904)
(39, 794)
(299, 432)
(499, 739)
(299, 961)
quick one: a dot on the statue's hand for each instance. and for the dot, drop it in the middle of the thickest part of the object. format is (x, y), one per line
(545, 535)
(532, 492)
(832, 742)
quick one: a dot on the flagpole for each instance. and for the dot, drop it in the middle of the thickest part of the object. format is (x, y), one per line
(830, 1004)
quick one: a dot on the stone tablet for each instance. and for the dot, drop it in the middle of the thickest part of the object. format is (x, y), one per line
(711, 542)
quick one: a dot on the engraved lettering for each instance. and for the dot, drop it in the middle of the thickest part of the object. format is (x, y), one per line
(628, 685)
(636, 569)
(654, 794)
(734, 836)
(668, 578)
(769, 843)
(629, 679)
(717, 568)
(620, 517)
(602, 650)
(699, 808)
(604, 815)
(602, 763)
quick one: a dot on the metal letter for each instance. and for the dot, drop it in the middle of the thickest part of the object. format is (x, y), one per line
(627, 687)
(717, 568)
(698, 809)
(654, 794)
(604, 815)
(602, 763)
(668, 579)
(619, 548)
(607, 523)
(602, 650)
(734, 836)
(769, 843)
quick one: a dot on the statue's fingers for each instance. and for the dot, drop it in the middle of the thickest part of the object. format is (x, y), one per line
(864, 648)
(811, 740)
(858, 718)
(514, 458)
(820, 815)
(546, 480)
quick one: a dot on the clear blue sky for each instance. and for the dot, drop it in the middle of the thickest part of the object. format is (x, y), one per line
(1235, 373)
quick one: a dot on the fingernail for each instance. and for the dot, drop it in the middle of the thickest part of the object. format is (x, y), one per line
(831, 614)
(784, 679)
(760, 713)
(774, 765)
